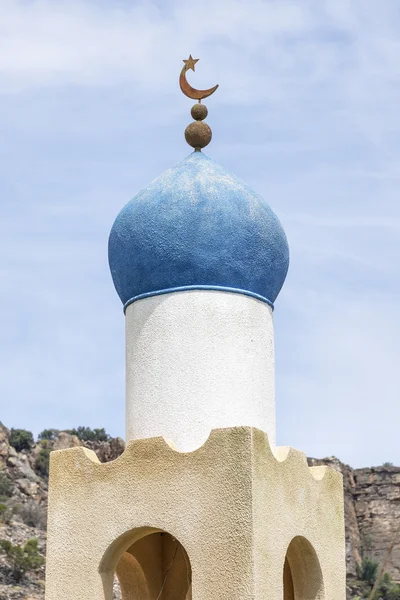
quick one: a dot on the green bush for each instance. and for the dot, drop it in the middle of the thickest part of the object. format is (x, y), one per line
(393, 592)
(49, 434)
(367, 571)
(85, 434)
(8, 510)
(6, 486)
(387, 589)
(3, 513)
(42, 462)
(33, 514)
(22, 559)
(387, 464)
(21, 439)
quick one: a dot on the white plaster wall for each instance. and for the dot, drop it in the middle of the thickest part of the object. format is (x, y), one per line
(196, 361)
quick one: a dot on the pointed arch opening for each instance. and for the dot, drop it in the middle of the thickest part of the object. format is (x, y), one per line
(302, 575)
(149, 565)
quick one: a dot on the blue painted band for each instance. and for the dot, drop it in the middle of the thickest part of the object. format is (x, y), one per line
(185, 288)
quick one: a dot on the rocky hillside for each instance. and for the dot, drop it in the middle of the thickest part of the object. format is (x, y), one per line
(372, 507)
(23, 507)
(372, 514)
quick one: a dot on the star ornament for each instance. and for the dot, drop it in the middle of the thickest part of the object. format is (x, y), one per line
(190, 62)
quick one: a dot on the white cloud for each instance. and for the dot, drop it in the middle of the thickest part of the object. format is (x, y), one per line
(44, 42)
(88, 43)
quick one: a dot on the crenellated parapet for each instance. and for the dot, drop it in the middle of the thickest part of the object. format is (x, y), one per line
(233, 504)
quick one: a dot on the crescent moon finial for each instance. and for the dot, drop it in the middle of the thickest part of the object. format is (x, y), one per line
(197, 134)
(186, 88)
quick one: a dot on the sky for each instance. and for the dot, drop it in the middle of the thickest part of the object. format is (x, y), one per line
(307, 113)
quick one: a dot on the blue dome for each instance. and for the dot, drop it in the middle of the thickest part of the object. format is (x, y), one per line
(197, 227)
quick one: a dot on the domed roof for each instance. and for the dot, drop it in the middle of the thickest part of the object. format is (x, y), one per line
(197, 227)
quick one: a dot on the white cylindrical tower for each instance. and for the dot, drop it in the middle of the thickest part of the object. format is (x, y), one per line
(198, 259)
(196, 361)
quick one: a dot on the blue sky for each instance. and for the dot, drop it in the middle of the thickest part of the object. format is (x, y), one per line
(307, 113)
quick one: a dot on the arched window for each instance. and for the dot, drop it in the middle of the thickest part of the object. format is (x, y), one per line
(302, 575)
(155, 566)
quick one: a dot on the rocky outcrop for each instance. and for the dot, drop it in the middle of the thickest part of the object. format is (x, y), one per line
(372, 513)
(377, 506)
(32, 586)
(107, 451)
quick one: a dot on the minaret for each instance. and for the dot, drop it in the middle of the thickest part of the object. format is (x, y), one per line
(201, 505)
(198, 260)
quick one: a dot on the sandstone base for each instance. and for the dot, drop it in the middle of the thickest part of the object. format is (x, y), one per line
(231, 520)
